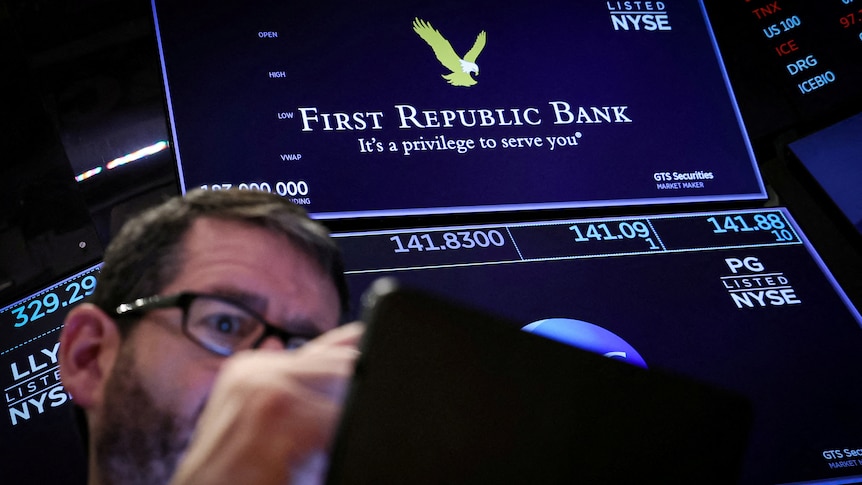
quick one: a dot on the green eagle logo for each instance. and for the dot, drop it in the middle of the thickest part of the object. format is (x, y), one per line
(461, 68)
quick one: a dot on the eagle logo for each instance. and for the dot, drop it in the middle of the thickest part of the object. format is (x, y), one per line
(461, 68)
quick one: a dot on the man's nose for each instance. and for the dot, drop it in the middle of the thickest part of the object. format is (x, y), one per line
(272, 342)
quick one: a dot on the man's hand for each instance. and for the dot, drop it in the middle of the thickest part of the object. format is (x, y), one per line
(270, 412)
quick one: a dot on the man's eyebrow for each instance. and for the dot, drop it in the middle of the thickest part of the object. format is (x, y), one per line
(254, 302)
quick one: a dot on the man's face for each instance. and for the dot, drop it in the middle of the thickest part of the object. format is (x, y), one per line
(161, 379)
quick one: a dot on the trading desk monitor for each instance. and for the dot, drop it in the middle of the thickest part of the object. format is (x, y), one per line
(405, 108)
(736, 299)
(794, 63)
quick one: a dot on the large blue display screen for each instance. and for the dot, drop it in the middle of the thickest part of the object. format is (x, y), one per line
(735, 299)
(402, 108)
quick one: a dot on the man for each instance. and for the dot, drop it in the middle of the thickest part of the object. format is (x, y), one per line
(179, 360)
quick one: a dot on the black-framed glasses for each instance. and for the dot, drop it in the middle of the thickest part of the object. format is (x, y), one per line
(216, 323)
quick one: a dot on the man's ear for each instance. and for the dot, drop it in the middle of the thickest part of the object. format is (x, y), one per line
(89, 344)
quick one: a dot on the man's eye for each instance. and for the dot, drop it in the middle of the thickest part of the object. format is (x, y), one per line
(227, 324)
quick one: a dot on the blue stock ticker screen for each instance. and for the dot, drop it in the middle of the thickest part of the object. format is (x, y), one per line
(415, 108)
(37, 427)
(736, 299)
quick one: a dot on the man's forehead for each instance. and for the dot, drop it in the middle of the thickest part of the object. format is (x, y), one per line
(262, 269)
(255, 302)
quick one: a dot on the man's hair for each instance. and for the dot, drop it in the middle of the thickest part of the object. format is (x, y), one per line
(147, 253)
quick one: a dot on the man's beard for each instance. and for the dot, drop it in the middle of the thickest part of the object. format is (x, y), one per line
(137, 442)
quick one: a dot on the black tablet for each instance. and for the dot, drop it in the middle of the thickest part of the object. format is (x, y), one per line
(445, 394)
